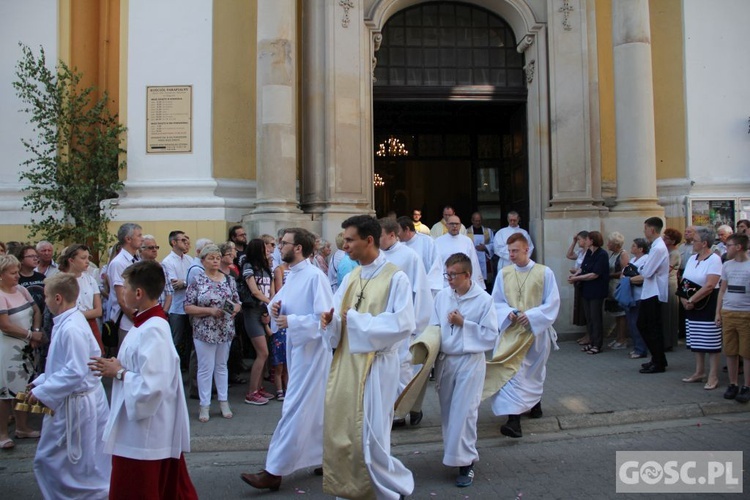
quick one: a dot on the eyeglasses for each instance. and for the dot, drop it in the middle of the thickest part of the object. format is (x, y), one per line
(150, 247)
(240, 234)
(452, 276)
(31, 256)
(282, 243)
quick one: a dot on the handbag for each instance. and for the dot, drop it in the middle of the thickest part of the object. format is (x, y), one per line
(630, 270)
(246, 296)
(111, 332)
(689, 288)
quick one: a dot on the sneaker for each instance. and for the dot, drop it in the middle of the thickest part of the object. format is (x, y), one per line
(266, 394)
(744, 395)
(465, 476)
(279, 395)
(619, 345)
(255, 399)
(731, 391)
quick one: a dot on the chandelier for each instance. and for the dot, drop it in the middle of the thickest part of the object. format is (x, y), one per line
(378, 180)
(392, 147)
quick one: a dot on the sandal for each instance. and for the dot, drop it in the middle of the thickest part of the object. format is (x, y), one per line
(635, 355)
(593, 350)
(203, 415)
(226, 411)
(7, 444)
(587, 348)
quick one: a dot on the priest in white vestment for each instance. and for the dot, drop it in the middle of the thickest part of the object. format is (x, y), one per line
(441, 227)
(372, 315)
(297, 441)
(468, 328)
(527, 302)
(424, 246)
(500, 242)
(409, 262)
(70, 461)
(453, 242)
(482, 237)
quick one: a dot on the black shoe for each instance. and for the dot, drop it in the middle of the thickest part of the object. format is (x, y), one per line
(318, 471)
(653, 369)
(465, 476)
(536, 411)
(744, 395)
(646, 365)
(415, 417)
(731, 391)
(398, 422)
(512, 427)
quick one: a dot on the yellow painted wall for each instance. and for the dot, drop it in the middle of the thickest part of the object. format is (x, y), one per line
(669, 87)
(215, 230)
(606, 89)
(14, 232)
(234, 47)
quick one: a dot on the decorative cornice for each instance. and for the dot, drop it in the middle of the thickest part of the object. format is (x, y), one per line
(346, 4)
(566, 9)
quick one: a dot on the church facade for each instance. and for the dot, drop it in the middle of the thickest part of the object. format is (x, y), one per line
(579, 114)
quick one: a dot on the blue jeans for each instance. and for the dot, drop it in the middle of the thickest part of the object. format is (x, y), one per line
(639, 345)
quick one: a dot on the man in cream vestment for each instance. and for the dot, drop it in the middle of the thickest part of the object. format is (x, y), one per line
(527, 302)
(372, 315)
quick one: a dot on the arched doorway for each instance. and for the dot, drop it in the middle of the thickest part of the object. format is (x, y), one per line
(450, 87)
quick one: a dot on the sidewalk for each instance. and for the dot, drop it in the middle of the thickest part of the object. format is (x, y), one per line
(581, 391)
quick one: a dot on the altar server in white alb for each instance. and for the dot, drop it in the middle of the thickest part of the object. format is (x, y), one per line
(453, 242)
(500, 242)
(468, 328)
(373, 314)
(409, 262)
(527, 302)
(297, 441)
(148, 428)
(424, 246)
(70, 461)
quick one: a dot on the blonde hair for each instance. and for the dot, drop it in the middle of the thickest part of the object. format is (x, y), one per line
(64, 284)
(7, 261)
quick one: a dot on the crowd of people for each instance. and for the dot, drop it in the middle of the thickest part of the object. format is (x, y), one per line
(346, 339)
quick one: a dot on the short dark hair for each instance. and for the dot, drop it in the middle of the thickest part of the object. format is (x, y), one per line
(643, 244)
(233, 230)
(596, 238)
(673, 234)
(740, 240)
(582, 234)
(173, 235)
(65, 284)
(406, 223)
(303, 238)
(20, 251)
(461, 259)
(517, 237)
(655, 222)
(389, 225)
(366, 226)
(147, 275)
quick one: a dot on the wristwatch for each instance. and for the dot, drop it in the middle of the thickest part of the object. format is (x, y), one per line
(120, 373)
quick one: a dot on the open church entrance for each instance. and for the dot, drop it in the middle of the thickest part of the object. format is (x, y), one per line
(449, 115)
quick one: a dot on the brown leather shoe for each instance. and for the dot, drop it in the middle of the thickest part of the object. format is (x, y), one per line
(262, 480)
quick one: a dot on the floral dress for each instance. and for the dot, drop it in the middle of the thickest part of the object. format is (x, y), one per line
(16, 358)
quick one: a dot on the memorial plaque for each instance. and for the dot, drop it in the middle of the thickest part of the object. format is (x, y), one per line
(169, 119)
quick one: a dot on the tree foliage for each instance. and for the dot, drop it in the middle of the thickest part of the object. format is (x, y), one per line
(73, 154)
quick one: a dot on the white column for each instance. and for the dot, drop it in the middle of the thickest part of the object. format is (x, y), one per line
(634, 107)
(276, 118)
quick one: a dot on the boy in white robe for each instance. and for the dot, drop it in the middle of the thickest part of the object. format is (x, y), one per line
(148, 428)
(357, 333)
(523, 392)
(297, 441)
(468, 327)
(70, 461)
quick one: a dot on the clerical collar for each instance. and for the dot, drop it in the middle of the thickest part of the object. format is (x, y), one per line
(391, 248)
(527, 267)
(370, 269)
(63, 315)
(477, 229)
(152, 312)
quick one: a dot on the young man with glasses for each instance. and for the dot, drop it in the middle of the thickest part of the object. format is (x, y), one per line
(176, 264)
(468, 327)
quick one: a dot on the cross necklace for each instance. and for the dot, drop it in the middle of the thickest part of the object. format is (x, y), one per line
(362, 287)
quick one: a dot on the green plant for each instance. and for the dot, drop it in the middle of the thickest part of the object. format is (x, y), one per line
(74, 153)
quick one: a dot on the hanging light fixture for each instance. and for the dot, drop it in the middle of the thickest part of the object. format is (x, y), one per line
(391, 147)
(378, 180)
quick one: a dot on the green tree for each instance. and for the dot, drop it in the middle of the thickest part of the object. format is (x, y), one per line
(73, 155)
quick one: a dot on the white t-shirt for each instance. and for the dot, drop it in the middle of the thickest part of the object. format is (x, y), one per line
(697, 271)
(87, 289)
(737, 277)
